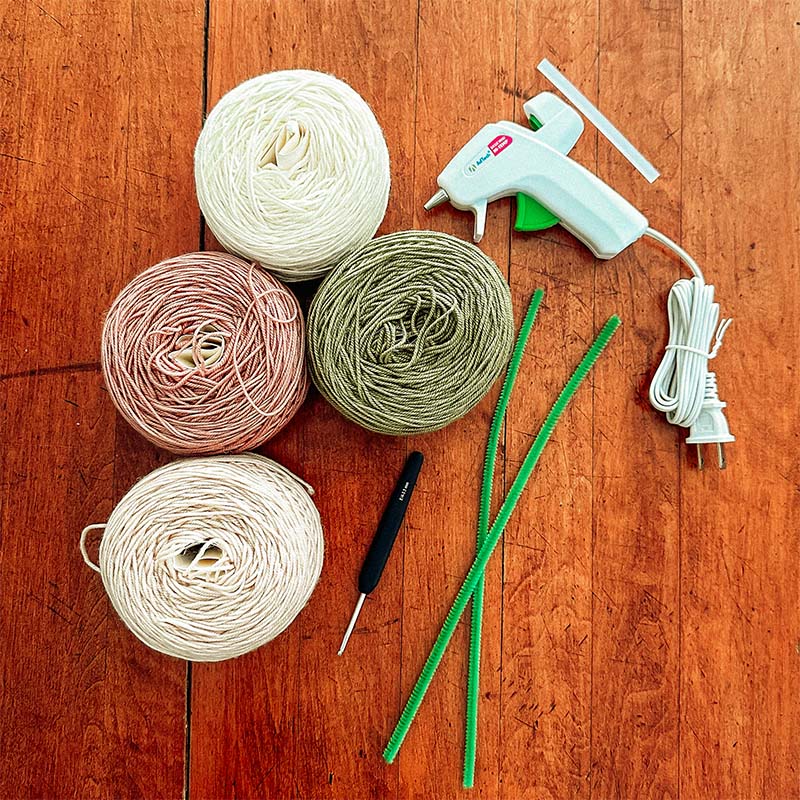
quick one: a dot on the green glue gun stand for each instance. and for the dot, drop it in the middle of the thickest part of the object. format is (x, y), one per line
(531, 214)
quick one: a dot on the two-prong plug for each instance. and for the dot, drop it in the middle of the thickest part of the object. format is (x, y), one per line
(683, 387)
(711, 427)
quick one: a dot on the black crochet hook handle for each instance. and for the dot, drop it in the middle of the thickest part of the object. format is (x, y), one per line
(390, 523)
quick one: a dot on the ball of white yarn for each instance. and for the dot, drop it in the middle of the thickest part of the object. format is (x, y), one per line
(292, 171)
(209, 558)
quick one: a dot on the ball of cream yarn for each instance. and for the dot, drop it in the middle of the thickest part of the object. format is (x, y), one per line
(292, 171)
(409, 333)
(209, 558)
(204, 353)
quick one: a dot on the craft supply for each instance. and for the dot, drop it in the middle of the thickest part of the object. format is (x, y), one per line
(504, 159)
(598, 119)
(385, 535)
(486, 549)
(204, 353)
(563, 127)
(209, 558)
(473, 679)
(292, 171)
(409, 333)
(683, 388)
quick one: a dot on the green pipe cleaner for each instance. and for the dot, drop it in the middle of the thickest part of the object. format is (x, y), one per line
(473, 681)
(479, 564)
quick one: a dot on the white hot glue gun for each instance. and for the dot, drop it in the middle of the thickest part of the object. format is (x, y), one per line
(504, 159)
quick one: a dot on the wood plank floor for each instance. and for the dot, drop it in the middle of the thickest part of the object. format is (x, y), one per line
(642, 635)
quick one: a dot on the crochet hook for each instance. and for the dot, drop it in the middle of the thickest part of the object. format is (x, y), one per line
(382, 543)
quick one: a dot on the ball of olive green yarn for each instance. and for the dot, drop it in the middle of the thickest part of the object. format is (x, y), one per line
(409, 333)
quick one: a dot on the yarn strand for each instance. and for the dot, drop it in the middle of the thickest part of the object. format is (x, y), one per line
(292, 171)
(409, 333)
(208, 558)
(84, 551)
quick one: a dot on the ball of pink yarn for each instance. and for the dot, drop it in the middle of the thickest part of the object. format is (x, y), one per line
(204, 353)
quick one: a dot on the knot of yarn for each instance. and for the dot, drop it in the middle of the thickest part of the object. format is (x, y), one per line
(292, 171)
(204, 353)
(209, 558)
(409, 333)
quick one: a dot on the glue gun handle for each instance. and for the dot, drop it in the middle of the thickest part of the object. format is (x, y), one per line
(390, 523)
(588, 208)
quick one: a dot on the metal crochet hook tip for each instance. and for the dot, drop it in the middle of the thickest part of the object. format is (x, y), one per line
(352, 624)
(440, 197)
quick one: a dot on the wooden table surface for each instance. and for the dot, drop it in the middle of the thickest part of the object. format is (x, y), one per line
(642, 634)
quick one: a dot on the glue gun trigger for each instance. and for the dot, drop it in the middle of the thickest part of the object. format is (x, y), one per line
(480, 221)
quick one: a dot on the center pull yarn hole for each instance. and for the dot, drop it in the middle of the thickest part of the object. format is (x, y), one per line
(201, 556)
(204, 348)
(288, 147)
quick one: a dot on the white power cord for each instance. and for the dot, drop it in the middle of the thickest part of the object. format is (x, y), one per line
(682, 387)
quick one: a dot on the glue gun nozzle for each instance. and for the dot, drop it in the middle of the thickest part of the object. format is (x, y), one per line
(439, 198)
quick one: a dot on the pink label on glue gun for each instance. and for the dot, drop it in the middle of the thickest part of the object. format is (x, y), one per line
(499, 143)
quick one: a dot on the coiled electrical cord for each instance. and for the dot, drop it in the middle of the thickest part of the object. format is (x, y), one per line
(683, 387)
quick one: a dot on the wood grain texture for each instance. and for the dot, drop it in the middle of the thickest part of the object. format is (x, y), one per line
(741, 603)
(546, 692)
(637, 456)
(297, 720)
(455, 96)
(642, 625)
(92, 194)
